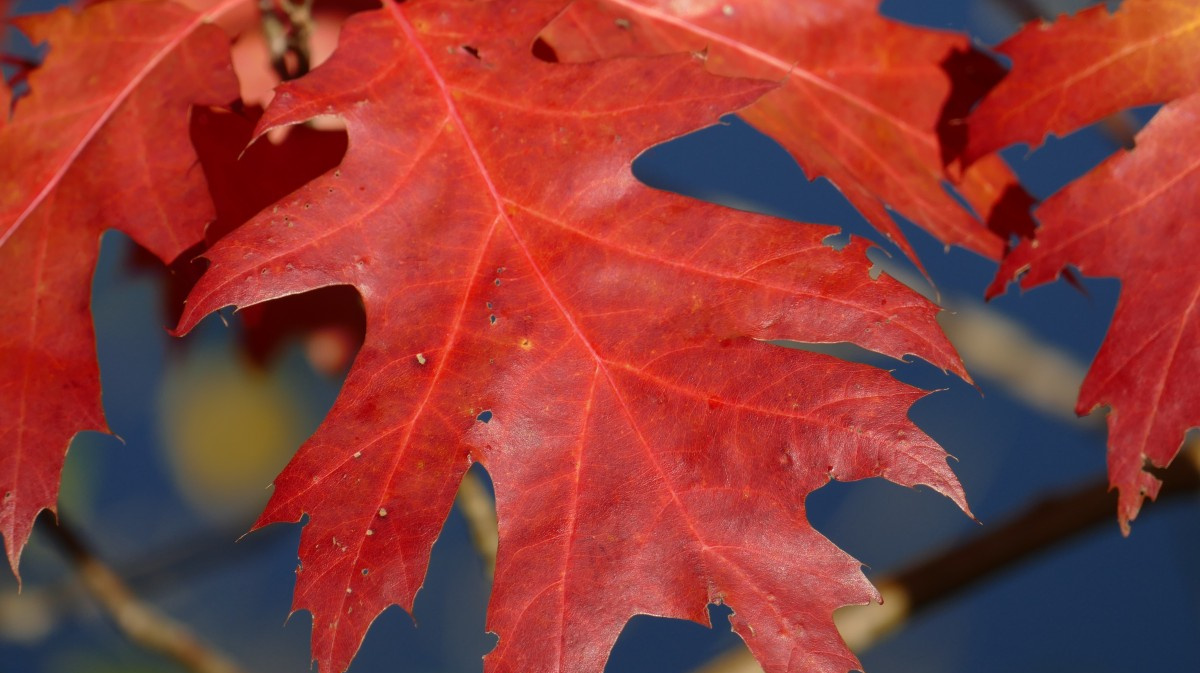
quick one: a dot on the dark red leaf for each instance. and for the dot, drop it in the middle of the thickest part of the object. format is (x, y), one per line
(1082, 68)
(1129, 218)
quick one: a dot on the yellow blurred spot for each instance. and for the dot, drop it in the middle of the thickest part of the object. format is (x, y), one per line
(229, 428)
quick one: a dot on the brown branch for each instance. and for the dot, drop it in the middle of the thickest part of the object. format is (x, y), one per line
(1037, 529)
(140, 622)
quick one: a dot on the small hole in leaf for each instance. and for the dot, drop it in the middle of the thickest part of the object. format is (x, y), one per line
(497, 282)
(472, 51)
(485, 416)
(492, 319)
(366, 572)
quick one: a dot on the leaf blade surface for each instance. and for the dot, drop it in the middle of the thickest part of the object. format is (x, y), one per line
(1083, 68)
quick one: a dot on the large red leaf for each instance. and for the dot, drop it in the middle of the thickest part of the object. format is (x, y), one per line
(100, 142)
(1083, 68)
(859, 101)
(593, 342)
(1128, 219)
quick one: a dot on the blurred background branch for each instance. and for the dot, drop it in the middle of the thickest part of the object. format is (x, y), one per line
(138, 620)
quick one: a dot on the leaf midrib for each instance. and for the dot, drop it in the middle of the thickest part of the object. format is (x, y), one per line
(600, 363)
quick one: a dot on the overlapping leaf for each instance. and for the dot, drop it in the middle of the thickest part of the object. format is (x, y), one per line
(1132, 218)
(593, 342)
(859, 101)
(100, 142)
(1083, 68)
(5, 103)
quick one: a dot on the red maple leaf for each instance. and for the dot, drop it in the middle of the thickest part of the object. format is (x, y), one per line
(1129, 218)
(596, 344)
(101, 142)
(1083, 68)
(860, 99)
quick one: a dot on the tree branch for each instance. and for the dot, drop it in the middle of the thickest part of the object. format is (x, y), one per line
(140, 622)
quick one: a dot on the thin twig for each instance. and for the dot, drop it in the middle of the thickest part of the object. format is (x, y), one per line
(140, 622)
(1009, 355)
